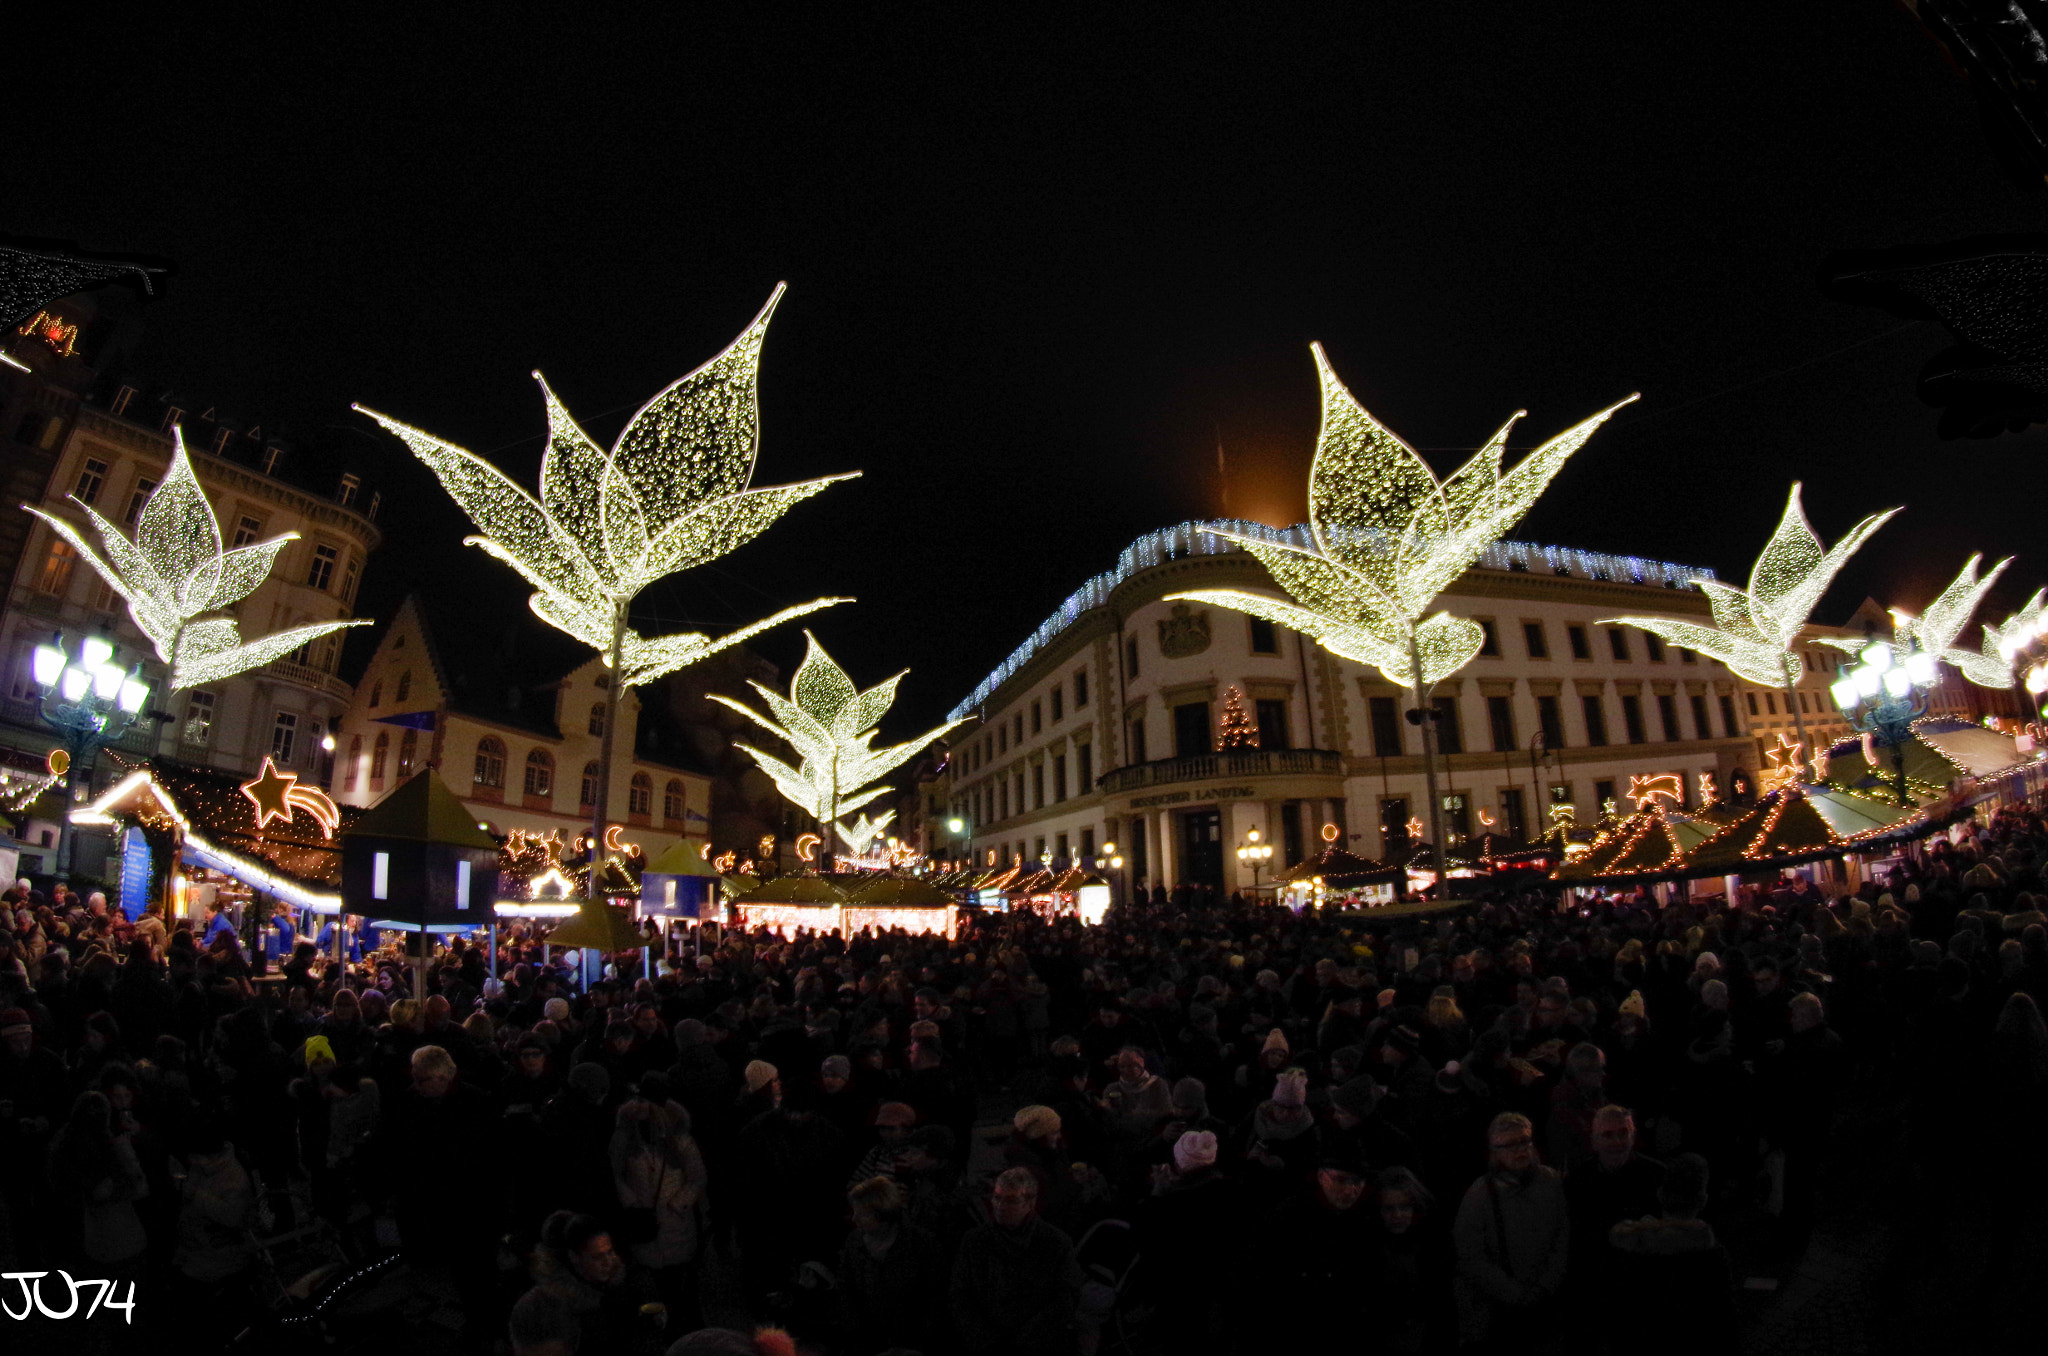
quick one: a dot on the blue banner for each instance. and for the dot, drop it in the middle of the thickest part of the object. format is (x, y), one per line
(134, 897)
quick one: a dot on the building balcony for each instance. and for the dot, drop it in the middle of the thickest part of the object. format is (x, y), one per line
(305, 675)
(1202, 767)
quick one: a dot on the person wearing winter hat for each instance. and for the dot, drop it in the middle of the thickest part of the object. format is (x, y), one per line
(759, 1074)
(1194, 1150)
(1322, 1234)
(1037, 1123)
(1281, 1143)
(1034, 1145)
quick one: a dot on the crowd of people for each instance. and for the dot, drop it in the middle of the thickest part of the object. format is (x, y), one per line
(1518, 1126)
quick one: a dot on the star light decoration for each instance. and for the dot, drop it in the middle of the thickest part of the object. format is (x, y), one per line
(1755, 630)
(1644, 792)
(1390, 537)
(830, 724)
(1935, 631)
(176, 578)
(277, 794)
(670, 495)
(1785, 763)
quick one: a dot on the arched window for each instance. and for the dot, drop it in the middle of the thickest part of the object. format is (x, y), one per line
(490, 762)
(640, 796)
(376, 694)
(404, 686)
(672, 801)
(587, 798)
(408, 749)
(355, 758)
(597, 720)
(540, 773)
(377, 758)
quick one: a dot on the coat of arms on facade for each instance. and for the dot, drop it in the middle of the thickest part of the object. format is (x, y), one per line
(1184, 633)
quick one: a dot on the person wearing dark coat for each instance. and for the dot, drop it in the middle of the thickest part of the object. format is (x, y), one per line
(1321, 1237)
(1188, 1228)
(889, 1272)
(1410, 1268)
(1671, 1275)
(1616, 1184)
(1016, 1286)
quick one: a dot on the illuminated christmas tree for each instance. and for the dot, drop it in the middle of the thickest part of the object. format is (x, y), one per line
(1235, 729)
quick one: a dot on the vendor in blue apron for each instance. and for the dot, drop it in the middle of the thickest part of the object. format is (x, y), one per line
(279, 937)
(217, 925)
(352, 932)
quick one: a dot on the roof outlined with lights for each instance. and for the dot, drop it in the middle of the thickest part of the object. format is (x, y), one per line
(1201, 539)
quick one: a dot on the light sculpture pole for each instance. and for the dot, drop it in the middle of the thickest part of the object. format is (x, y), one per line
(90, 701)
(1387, 538)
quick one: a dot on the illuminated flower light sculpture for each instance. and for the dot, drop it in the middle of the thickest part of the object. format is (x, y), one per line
(831, 724)
(1935, 631)
(2003, 643)
(1755, 631)
(1390, 537)
(175, 577)
(671, 494)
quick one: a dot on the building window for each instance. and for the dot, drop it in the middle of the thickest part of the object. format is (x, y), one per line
(1727, 714)
(1085, 756)
(672, 802)
(1450, 738)
(640, 795)
(248, 530)
(137, 497)
(284, 736)
(1017, 729)
(1137, 733)
(1686, 656)
(271, 457)
(1059, 705)
(1596, 720)
(1700, 728)
(198, 718)
(1059, 849)
(1036, 723)
(1550, 720)
(1191, 730)
(1002, 738)
(1514, 817)
(1265, 637)
(1577, 636)
(1667, 715)
(1752, 703)
(1489, 639)
(1653, 645)
(1020, 793)
(55, 576)
(121, 399)
(1394, 821)
(408, 751)
(1560, 793)
(348, 584)
(1088, 845)
(1130, 657)
(596, 726)
(1500, 714)
(490, 763)
(1002, 800)
(1386, 727)
(376, 694)
(1603, 796)
(1771, 704)
(1038, 786)
(586, 796)
(1272, 718)
(540, 773)
(1059, 777)
(1080, 689)
(353, 768)
(346, 495)
(91, 480)
(404, 686)
(1457, 816)
(322, 572)
(1632, 717)
(1532, 637)
(1617, 641)
(378, 755)
(171, 417)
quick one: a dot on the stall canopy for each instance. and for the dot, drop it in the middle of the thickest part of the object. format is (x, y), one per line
(1340, 869)
(1938, 751)
(597, 926)
(679, 884)
(900, 892)
(417, 861)
(1792, 825)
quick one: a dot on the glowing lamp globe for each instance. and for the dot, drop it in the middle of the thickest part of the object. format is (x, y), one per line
(1845, 692)
(49, 664)
(95, 651)
(76, 681)
(134, 694)
(106, 682)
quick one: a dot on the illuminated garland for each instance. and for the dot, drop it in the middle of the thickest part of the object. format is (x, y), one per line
(1755, 631)
(1934, 632)
(670, 495)
(830, 724)
(1389, 537)
(173, 574)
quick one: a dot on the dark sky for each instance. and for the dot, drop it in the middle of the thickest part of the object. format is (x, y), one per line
(1036, 267)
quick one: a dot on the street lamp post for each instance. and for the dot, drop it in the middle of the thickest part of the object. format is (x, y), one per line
(1882, 697)
(1107, 860)
(89, 701)
(1257, 854)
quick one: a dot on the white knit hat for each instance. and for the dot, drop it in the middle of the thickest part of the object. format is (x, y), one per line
(1194, 1149)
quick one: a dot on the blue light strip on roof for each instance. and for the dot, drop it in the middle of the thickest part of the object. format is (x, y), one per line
(1200, 539)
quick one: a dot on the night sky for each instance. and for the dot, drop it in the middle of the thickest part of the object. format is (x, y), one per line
(1037, 268)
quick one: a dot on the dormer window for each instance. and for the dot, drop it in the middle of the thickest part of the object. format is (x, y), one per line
(171, 418)
(121, 399)
(220, 441)
(272, 455)
(346, 495)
